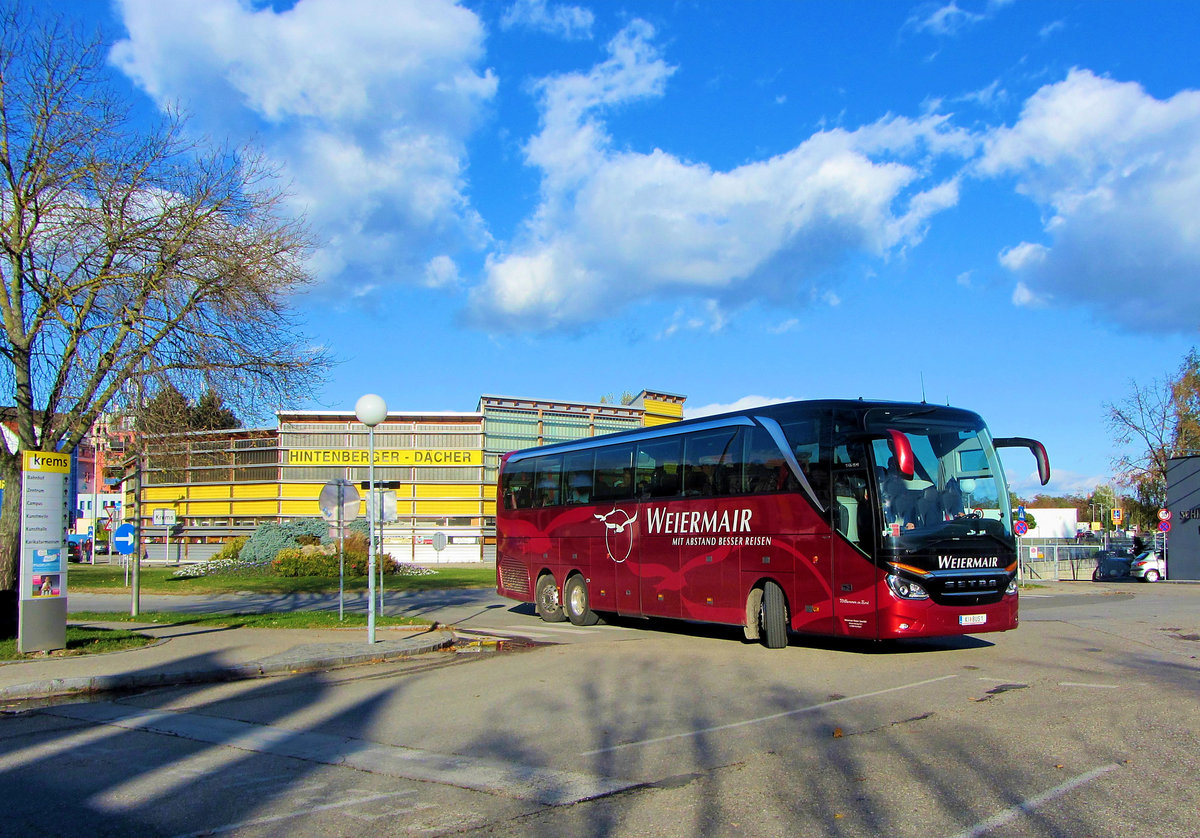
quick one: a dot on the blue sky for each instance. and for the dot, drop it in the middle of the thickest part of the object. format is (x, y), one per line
(991, 203)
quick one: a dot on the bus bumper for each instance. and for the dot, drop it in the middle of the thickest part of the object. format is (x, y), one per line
(925, 618)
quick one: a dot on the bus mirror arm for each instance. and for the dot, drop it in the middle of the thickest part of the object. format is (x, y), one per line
(1038, 450)
(902, 453)
(899, 446)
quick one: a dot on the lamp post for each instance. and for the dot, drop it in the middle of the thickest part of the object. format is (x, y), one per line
(371, 410)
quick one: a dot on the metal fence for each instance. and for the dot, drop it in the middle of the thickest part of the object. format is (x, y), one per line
(1055, 560)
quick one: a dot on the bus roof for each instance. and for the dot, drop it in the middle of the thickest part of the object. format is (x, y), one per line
(736, 418)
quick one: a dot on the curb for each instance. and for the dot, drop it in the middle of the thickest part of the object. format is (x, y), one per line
(90, 684)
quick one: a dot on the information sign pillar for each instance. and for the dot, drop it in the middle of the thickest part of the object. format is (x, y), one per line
(42, 621)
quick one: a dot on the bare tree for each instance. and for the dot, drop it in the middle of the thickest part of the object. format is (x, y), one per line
(1161, 420)
(129, 254)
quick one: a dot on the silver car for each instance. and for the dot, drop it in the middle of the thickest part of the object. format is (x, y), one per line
(1148, 566)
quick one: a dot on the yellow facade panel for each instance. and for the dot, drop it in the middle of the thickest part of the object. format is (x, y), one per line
(307, 508)
(489, 507)
(299, 491)
(256, 490)
(207, 509)
(442, 490)
(651, 420)
(663, 408)
(162, 493)
(256, 507)
(207, 492)
(447, 507)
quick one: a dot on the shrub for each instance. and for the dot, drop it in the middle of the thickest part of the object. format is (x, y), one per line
(226, 560)
(304, 561)
(266, 542)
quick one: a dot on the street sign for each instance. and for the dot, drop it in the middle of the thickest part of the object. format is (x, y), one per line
(124, 539)
(1164, 515)
(1116, 516)
(1021, 528)
(339, 494)
(164, 517)
(1020, 513)
(439, 541)
(1164, 526)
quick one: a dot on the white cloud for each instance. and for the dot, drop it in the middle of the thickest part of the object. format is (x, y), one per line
(617, 226)
(950, 19)
(571, 23)
(1116, 173)
(365, 104)
(744, 403)
(441, 272)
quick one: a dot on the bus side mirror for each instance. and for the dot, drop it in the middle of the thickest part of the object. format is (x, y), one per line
(1039, 453)
(902, 454)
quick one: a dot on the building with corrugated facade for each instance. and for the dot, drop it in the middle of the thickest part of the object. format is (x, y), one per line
(440, 466)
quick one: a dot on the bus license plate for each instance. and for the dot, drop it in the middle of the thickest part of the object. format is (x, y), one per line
(972, 619)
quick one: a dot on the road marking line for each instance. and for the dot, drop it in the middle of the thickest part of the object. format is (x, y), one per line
(230, 827)
(1028, 806)
(508, 779)
(760, 719)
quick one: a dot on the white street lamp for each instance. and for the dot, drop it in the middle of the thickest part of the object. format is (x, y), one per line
(371, 410)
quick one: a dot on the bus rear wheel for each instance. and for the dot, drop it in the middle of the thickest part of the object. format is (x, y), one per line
(548, 606)
(575, 598)
(773, 617)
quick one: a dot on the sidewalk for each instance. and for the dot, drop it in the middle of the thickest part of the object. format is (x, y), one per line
(189, 654)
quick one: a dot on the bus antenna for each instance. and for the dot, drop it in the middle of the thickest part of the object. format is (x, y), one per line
(922, 387)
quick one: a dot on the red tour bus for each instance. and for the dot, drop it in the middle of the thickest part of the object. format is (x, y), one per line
(836, 517)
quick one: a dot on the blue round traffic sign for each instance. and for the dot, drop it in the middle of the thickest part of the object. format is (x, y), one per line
(124, 537)
(1021, 527)
(1164, 526)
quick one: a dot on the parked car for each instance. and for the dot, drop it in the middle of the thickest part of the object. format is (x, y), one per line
(1148, 566)
(74, 551)
(1111, 565)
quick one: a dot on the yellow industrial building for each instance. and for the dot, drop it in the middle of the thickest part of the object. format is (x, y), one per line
(440, 466)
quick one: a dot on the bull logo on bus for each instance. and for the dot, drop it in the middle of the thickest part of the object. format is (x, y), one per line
(617, 533)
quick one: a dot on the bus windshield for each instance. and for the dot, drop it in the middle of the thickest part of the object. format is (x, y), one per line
(957, 488)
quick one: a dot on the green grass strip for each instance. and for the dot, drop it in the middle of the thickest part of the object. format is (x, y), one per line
(281, 620)
(83, 578)
(81, 641)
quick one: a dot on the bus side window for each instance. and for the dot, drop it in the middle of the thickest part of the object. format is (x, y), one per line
(518, 483)
(852, 505)
(579, 469)
(707, 460)
(765, 468)
(658, 468)
(614, 473)
(548, 481)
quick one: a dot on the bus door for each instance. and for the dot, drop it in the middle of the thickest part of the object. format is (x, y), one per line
(661, 539)
(855, 527)
(796, 550)
(617, 522)
(710, 555)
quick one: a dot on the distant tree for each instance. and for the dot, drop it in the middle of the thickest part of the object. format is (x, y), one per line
(1161, 420)
(626, 398)
(128, 256)
(166, 411)
(211, 414)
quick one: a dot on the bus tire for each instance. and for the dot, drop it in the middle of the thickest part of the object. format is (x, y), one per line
(575, 600)
(773, 617)
(753, 610)
(549, 607)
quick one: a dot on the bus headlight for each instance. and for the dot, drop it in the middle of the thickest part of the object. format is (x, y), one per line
(905, 589)
(1012, 587)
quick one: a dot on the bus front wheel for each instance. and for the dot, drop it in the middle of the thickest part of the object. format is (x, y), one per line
(575, 597)
(548, 606)
(773, 617)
